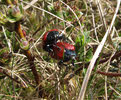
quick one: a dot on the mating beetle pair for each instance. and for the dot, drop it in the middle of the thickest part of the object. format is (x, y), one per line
(58, 50)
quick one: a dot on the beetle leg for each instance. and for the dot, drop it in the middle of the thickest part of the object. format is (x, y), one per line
(60, 62)
(73, 63)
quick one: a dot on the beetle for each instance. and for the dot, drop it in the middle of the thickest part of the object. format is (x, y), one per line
(50, 38)
(64, 52)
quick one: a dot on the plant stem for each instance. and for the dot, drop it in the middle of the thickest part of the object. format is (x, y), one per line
(18, 30)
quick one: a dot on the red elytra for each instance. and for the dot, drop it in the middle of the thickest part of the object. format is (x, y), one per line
(45, 35)
(59, 49)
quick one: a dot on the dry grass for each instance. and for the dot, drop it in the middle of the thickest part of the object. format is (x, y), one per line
(92, 26)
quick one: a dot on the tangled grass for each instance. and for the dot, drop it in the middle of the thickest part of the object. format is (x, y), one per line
(85, 23)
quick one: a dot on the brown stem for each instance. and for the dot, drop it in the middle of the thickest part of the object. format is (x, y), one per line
(110, 74)
(32, 66)
(19, 31)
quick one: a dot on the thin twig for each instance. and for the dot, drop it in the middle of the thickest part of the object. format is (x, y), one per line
(101, 14)
(32, 3)
(8, 41)
(93, 20)
(115, 91)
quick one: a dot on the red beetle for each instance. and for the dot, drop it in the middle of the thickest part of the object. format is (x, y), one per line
(50, 38)
(63, 51)
(53, 31)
